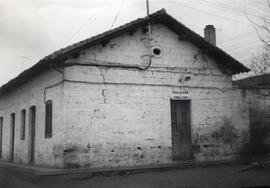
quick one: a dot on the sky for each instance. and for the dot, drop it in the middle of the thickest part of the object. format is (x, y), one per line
(32, 29)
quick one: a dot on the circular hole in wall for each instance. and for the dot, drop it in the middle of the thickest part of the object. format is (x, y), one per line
(157, 51)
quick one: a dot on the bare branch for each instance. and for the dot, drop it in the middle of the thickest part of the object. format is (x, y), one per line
(260, 64)
(264, 41)
(266, 25)
(265, 20)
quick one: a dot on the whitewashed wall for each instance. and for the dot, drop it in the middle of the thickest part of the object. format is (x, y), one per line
(121, 117)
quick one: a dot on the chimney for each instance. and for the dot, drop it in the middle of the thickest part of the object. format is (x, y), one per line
(210, 34)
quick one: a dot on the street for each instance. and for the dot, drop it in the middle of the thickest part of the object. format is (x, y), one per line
(225, 176)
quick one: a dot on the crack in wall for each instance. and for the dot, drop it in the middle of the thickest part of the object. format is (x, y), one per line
(104, 101)
(105, 87)
(103, 95)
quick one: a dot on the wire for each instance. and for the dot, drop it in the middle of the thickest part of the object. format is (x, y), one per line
(205, 12)
(93, 17)
(249, 58)
(238, 50)
(225, 6)
(250, 42)
(236, 37)
(257, 8)
(260, 3)
(123, 2)
(242, 40)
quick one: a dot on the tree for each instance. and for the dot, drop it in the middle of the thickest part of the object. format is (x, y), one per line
(260, 64)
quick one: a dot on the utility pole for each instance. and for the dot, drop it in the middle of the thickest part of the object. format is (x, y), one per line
(149, 36)
(147, 13)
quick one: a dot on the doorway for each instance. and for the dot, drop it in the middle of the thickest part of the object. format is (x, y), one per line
(12, 129)
(1, 135)
(181, 131)
(32, 126)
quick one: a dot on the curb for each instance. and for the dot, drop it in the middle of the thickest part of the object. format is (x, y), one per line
(82, 173)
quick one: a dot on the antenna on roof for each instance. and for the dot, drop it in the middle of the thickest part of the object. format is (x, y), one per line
(147, 8)
(22, 61)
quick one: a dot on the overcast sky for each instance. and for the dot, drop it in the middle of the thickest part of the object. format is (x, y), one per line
(32, 29)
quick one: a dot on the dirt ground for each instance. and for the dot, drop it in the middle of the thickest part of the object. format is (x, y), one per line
(225, 176)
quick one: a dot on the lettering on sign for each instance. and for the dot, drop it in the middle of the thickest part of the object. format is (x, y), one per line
(180, 94)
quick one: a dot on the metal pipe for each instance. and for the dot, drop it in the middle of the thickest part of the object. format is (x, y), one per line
(149, 37)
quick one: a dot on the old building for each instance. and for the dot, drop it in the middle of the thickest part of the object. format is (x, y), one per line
(126, 97)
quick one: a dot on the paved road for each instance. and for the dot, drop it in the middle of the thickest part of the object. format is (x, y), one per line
(226, 176)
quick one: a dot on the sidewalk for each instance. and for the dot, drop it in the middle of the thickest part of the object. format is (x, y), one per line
(40, 171)
(220, 176)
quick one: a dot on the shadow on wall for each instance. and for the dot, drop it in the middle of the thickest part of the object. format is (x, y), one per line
(258, 148)
(230, 137)
(227, 134)
(223, 142)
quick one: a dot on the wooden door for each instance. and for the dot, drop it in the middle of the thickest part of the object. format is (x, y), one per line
(12, 129)
(1, 135)
(181, 132)
(32, 127)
